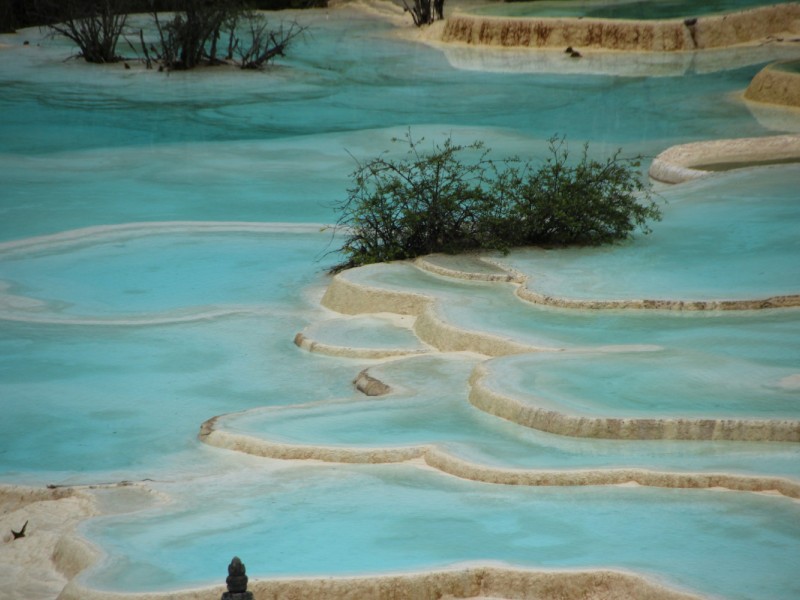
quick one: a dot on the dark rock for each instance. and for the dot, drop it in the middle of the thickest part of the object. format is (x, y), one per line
(21, 532)
(237, 582)
(370, 386)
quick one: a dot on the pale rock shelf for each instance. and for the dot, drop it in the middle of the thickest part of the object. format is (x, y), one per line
(467, 581)
(784, 301)
(686, 161)
(758, 150)
(308, 344)
(469, 267)
(348, 297)
(528, 414)
(41, 563)
(213, 436)
(668, 35)
(774, 85)
(431, 456)
(351, 298)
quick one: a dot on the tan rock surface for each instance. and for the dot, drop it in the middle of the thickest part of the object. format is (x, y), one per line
(668, 35)
(39, 565)
(775, 86)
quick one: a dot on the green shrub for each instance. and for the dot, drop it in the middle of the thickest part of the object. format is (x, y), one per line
(588, 203)
(423, 203)
(455, 198)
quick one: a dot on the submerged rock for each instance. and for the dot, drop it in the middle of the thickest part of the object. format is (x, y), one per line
(370, 386)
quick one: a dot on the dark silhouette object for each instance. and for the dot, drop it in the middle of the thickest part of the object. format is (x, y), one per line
(237, 582)
(424, 12)
(691, 26)
(20, 533)
(438, 9)
(569, 50)
(575, 54)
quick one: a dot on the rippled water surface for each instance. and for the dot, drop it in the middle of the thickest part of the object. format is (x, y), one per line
(118, 341)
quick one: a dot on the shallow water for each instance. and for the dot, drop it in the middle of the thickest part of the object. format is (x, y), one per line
(716, 238)
(622, 9)
(115, 346)
(646, 384)
(288, 521)
(430, 406)
(791, 66)
(152, 274)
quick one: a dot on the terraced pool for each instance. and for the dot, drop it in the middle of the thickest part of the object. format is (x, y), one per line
(163, 242)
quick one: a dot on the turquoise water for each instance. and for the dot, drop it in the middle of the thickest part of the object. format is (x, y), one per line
(368, 333)
(79, 401)
(161, 273)
(623, 9)
(115, 347)
(286, 522)
(716, 238)
(792, 66)
(760, 336)
(430, 406)
(646, 384)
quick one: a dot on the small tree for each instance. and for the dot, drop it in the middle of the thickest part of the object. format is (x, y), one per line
(95, 26)
(424, 12)
(588, 203)
(263, 44)
(455, 198)
(8, 21)
(426, 202)
(191, 36)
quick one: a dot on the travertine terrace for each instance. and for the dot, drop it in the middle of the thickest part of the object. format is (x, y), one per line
(672, 35)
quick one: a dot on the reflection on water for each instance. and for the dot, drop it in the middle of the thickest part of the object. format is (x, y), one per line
(115, 348)
(622, 9)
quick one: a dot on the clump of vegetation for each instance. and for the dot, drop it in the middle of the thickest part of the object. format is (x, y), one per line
(94, 26)
(24, 13)
(197, 32)
(425, 12)
(455, 198)
(192, 35)
(261, 44)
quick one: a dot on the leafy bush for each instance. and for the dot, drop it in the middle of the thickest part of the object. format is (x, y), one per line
(423, 203)
(455, 198)
(589, 203)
